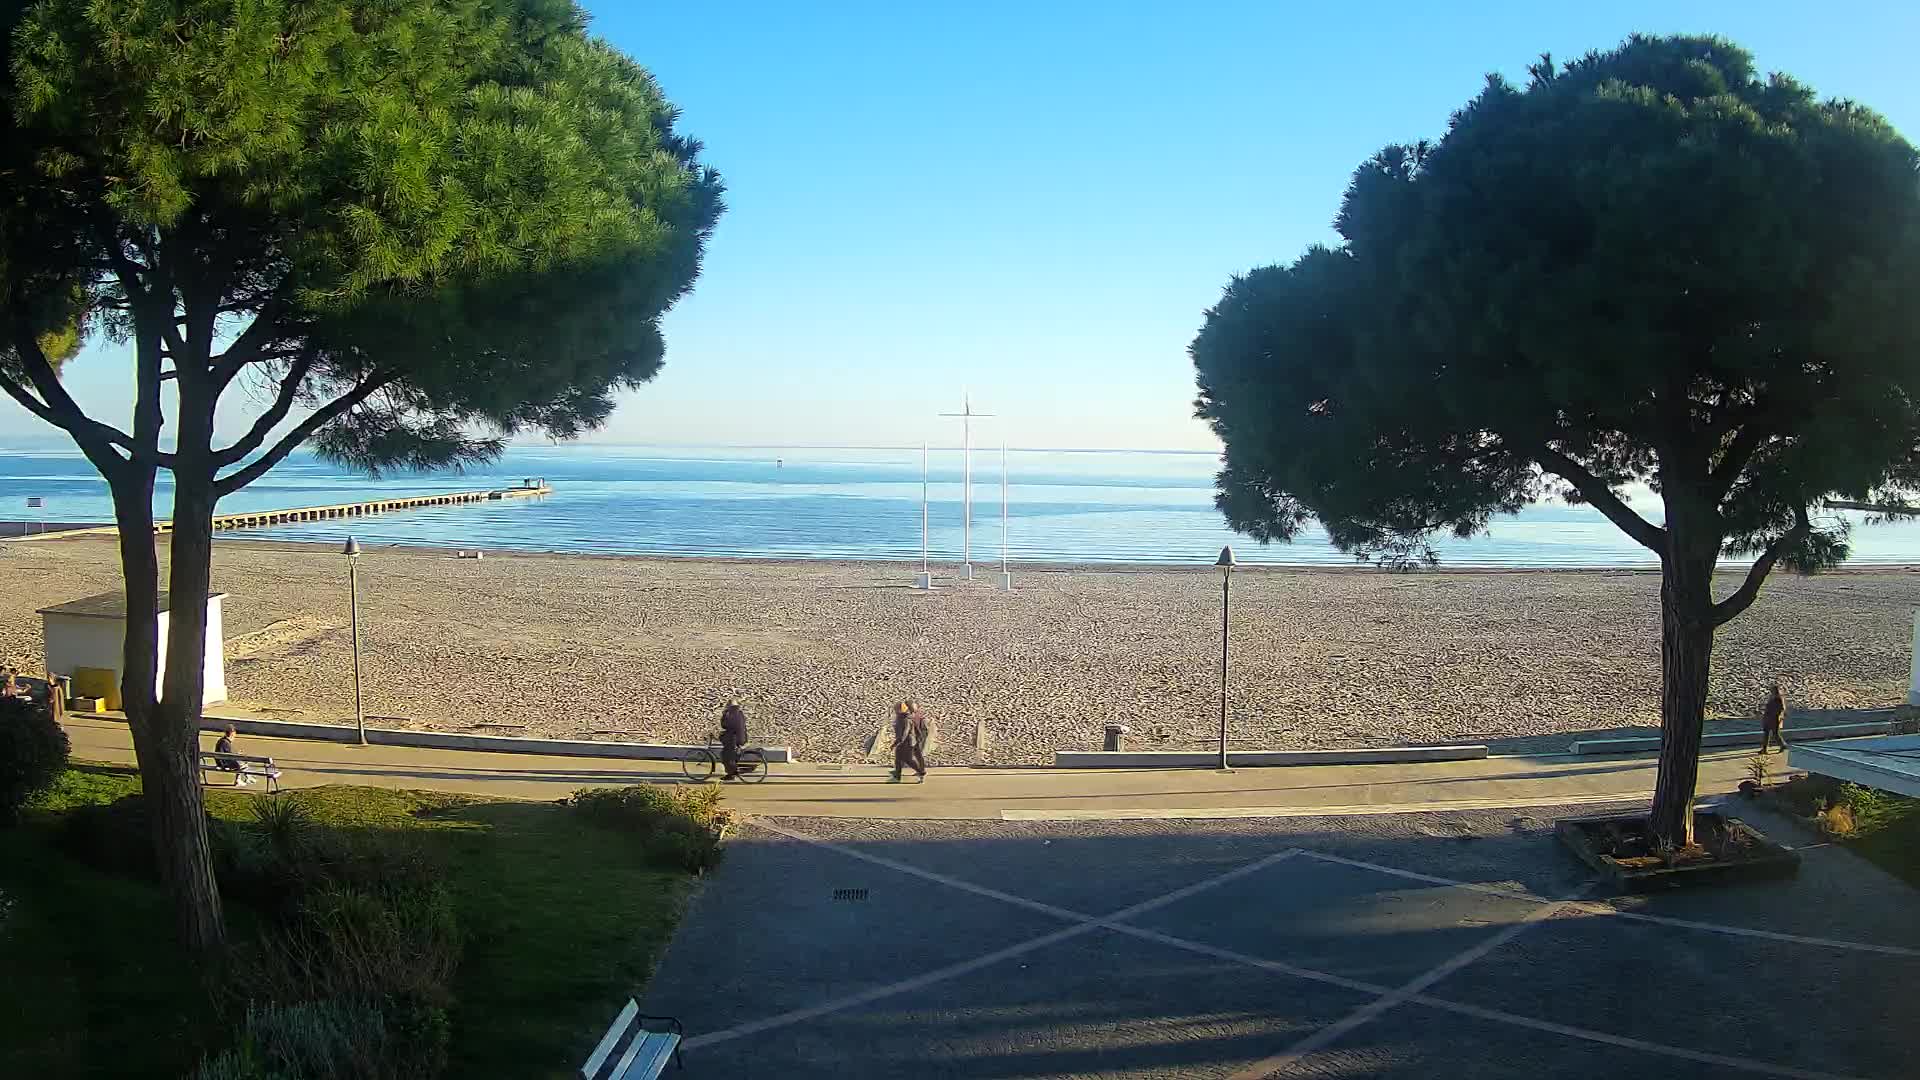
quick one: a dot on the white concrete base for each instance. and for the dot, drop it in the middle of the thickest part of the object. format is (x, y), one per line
(1913, 678)
(968, 573)
(1647, 744)
(447, 740)
(923, 581)
(1890, 764)
(1177, 759)
(1006, 582)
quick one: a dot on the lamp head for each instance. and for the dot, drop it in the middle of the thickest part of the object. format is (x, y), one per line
(352, 550)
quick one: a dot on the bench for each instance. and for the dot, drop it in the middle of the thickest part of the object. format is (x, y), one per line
(211, 762)
(642, 1054)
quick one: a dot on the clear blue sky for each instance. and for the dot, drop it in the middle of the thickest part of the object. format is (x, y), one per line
(1038, 201)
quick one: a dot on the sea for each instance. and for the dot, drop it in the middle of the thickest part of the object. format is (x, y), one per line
(1055, 506)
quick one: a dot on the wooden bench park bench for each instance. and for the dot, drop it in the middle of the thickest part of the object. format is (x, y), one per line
(628, 1051)
(241, 765)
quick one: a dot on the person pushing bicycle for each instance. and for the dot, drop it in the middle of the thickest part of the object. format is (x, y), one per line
(733, 736)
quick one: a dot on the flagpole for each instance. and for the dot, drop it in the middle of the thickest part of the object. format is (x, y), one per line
(1006, 577)
(925, 580)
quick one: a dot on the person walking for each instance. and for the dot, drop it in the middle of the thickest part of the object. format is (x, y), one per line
(733, 736)
(910, 732)
(1773, 720)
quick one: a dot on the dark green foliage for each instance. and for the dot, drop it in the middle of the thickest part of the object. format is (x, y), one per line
(680, 828)
(333, 1040)
(1650, 265)
(470, 204)
(33, 751)
(116, 837)
(559, 921)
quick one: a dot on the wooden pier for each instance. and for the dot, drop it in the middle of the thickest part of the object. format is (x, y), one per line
(254, 519)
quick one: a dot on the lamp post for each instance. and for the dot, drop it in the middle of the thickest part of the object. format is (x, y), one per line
(1226, 563)
(352, 552)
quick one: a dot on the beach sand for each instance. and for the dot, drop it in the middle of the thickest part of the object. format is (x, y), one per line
(649, 649)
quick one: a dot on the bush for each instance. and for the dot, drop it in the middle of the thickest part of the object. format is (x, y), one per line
(346, 943)
(331, 1040)
(679, 827)
(33, 751)
(284, 855)
(114, 836)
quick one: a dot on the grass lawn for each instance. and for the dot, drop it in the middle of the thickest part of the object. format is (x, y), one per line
(563, 921)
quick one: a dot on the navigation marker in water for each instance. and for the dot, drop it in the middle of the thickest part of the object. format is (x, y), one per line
(966, 490)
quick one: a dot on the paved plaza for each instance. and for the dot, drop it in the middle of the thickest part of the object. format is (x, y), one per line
(1414, 945)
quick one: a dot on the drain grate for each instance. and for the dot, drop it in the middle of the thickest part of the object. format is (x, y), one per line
(849, 894)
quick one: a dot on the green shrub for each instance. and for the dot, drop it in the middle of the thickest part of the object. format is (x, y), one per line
(679, 827)
(33, 752)
(348, 943)
(332, 1040)
(115, 837)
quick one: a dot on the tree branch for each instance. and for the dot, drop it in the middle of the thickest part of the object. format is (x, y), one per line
(247, 347)
(1595, 491)
(56, 407)
(1749, 590)
(1740, 450)
(320, 418)
(267, 421)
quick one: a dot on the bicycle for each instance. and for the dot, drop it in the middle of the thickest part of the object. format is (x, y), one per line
(702, 763)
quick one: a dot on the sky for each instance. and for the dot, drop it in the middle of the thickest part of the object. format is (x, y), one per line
(1034, 204)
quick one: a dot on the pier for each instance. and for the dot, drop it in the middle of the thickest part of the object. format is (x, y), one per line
(254, 519)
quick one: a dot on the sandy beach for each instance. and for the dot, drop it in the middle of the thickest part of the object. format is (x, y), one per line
(628, 648)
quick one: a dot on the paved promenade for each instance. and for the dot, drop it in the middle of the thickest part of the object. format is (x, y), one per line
(1030, 794)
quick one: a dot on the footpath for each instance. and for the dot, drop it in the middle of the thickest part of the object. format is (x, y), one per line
(1011, 794)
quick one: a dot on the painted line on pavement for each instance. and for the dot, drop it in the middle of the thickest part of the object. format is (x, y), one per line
(1591, 907)
(1203, 813)
(1083, 924)
(1477, 1012)
(1112, 923)
(1292, 1055)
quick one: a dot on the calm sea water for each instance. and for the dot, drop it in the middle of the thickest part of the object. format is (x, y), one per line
(1063, 506)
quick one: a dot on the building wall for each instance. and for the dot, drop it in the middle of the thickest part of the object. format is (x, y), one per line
(76, 641)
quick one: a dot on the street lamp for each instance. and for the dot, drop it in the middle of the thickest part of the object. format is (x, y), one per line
(352, 552)
(1226, 563)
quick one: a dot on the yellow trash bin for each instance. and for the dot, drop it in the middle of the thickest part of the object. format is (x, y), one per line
(98, 682)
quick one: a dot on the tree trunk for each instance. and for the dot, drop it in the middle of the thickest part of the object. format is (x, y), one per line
(166, 743)
(1686, 654)
(189, 865)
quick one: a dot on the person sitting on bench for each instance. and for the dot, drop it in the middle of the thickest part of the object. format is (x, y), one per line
(223, 759)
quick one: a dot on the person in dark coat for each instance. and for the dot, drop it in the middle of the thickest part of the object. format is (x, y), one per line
(733, 736)
(1773, 720)
(910, 732)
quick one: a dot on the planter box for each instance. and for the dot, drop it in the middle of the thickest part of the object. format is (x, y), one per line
(1729, 850)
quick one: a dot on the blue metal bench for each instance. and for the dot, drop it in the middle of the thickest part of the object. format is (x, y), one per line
(629, 1051)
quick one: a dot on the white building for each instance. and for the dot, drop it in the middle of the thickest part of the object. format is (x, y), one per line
(86, 638)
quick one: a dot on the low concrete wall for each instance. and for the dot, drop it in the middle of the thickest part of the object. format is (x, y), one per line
(1178, 759)
(442, 740)
(1651, 743)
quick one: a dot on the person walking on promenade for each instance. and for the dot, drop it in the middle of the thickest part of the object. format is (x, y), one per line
(1773, 720)
(733, 736)
(910, 732)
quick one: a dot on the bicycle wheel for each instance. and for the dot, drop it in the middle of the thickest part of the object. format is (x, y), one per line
(699, 765)
(753, 766)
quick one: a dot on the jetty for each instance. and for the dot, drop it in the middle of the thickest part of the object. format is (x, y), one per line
(254, 519)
